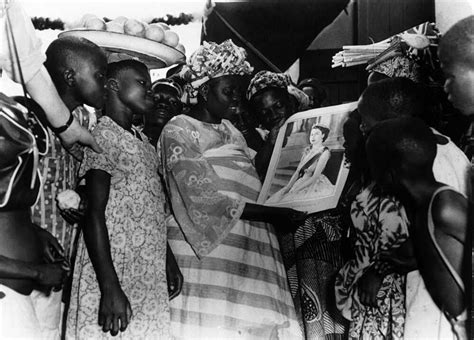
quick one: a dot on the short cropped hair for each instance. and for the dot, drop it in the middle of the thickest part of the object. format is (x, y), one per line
(457, 44)
(115, 69)
(391, 98)
(405, 145)
(65, 52)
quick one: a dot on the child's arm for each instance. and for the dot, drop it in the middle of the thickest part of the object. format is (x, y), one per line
(369, 285)
(49, 275)
(450, 219)
(114, 310)
(401, 259)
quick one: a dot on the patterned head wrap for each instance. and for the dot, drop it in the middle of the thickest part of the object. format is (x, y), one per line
(266, 79)
(399, 66)
(212, 60)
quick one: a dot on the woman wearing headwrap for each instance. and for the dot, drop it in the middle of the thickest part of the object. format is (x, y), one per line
(235, 284)
(273, 98)
(313, 254)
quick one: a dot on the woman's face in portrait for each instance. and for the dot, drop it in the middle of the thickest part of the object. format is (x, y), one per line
(316, 136)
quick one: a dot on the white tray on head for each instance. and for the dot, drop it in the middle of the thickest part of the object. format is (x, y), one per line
(122, 46)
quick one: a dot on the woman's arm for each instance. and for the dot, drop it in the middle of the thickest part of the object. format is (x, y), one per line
(285, 219)
(114, 309)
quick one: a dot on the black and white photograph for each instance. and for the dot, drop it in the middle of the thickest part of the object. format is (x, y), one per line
(308, 169)
(236, 169)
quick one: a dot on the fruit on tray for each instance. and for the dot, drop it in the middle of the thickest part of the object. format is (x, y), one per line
(134, 27)
(159, 32)
(155, 32)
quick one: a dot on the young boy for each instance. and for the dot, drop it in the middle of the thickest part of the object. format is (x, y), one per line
(456, 54)
(120, 264)
(27, 271)
(77, 68)
(401, 153)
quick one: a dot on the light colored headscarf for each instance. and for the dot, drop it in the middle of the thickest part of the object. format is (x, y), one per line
(212, 60)
(266, 79)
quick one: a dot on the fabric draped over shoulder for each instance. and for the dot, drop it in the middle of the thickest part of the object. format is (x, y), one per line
(206, 194)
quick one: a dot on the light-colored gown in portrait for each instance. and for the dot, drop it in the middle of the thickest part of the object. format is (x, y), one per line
(135, 222)
(320, 187)
(235, 286)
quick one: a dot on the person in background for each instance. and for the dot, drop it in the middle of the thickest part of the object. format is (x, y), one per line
(120, 263)
(167, 94)
(401, 153)
(457, 62)
(77, 67)
(18, 32)
(313, 254)
(396, 97)
(399, 97)
(31, 262)
(234, 280)
(316, 92)
(273, 99)
(371, 296)
(439, 113)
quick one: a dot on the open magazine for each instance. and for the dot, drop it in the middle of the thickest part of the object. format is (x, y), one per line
(308, 169)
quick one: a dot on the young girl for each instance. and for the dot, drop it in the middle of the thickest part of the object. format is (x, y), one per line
(371, 297)
(120, 266)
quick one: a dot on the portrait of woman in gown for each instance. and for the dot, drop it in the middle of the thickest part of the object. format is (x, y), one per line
(308, 180)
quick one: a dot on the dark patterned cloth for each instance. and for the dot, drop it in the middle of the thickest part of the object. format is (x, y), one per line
(312, 257)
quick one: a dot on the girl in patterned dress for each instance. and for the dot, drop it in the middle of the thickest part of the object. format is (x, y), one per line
(368, 294)
(120, 264)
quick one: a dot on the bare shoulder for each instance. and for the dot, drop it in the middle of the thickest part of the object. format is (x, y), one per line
(450, 213)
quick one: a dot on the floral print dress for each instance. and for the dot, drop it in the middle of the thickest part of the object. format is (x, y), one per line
(380, 223)
(135, 223)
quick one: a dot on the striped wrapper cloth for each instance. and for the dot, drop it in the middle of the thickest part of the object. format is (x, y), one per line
(235, 286)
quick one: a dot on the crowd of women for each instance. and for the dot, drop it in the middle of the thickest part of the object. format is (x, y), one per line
(168, 239)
